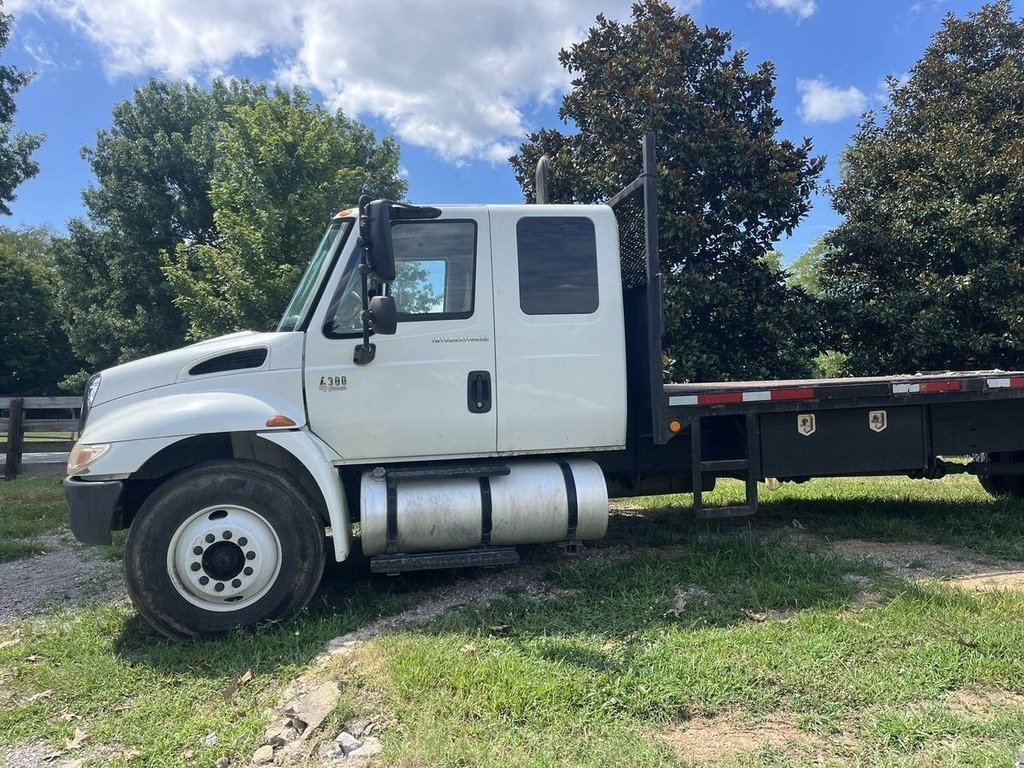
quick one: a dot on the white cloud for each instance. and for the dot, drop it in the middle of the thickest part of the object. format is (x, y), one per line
(802, 8)
(175, 37)
(821, 102)
(39, 52)
(452, 75)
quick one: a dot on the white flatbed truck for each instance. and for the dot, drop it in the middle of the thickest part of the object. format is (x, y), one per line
(460, 380)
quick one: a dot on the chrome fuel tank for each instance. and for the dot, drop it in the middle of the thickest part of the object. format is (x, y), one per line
(537, 501)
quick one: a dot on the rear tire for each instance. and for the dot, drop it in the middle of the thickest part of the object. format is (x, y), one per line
(1002, 485)
(224, 546)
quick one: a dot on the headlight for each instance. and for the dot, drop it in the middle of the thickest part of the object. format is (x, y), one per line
(84, 455)
(91, 388)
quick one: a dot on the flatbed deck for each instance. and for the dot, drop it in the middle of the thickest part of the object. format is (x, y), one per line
(831, 392)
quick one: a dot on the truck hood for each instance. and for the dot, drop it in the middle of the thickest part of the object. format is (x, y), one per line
(242, 352)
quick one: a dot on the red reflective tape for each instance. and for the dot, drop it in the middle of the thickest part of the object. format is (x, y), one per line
(720, 398)
(940, 386)
(792, 394)
(1017, 381)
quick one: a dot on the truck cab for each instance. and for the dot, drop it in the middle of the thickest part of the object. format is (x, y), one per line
(438, 376)
(509, 338)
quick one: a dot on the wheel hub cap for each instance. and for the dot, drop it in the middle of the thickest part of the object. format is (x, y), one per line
(224, 558)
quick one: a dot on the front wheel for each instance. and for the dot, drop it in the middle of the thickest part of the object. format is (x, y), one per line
(223, 546)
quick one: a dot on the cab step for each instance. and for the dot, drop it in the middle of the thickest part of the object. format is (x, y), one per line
(428, 561)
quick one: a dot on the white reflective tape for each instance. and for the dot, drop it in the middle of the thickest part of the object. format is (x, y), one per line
(751, 397)
(682, 400)
(905, 389)
(998, 383)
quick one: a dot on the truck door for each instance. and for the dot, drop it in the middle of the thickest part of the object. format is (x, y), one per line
(559, 329)
(429, 391)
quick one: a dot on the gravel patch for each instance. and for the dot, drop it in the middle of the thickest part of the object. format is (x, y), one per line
(66, 576)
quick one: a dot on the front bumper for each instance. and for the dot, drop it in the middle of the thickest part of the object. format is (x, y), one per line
(92, 507)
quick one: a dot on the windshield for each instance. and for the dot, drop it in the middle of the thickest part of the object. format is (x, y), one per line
(319, 266)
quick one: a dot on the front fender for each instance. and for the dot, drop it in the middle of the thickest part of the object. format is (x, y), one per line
(316, 457)
(186, 414)
(136, 431)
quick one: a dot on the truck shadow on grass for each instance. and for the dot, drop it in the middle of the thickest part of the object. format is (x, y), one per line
(992, 527)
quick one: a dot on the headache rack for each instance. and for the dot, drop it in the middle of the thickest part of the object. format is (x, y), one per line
(636, 211)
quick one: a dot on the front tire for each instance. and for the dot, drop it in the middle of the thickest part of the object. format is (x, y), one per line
(224, 546)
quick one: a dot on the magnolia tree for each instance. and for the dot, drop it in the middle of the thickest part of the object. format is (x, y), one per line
(926, 272)
(729, 187)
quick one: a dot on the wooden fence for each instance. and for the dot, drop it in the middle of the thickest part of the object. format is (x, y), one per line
(36, 434)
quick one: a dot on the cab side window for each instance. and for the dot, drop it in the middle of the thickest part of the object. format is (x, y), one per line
(557, 265)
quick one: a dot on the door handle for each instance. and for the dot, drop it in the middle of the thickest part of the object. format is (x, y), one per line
(479, 392)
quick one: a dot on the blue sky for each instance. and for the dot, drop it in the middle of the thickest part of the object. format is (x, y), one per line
(458, 82)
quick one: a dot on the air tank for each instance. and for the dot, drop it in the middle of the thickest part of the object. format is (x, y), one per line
(530, 501)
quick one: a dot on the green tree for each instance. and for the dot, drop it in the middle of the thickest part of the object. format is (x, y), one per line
(153, 168)
(729, 188)
(283, 167)
(34, 351)
(926, 272)
(16, 163)
(414, 290)
(805, 271)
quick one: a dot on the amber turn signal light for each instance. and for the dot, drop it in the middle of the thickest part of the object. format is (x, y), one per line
(279, 420)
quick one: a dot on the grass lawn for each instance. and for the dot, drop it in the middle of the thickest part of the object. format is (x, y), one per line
(671, 642)
(30, 509)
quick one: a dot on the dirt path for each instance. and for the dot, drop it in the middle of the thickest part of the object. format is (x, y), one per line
(923, 562)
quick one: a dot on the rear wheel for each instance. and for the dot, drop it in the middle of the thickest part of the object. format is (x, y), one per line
(1002, 485)
(223, 546)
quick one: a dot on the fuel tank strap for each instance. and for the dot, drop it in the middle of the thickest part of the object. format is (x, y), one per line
(392, 521)
(573, 522)
(445, 472)
(486, 512)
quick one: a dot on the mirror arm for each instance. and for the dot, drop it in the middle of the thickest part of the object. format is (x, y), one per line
(365, 352)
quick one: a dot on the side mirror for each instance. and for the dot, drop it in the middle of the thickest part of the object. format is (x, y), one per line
(382, 252)
(383, 315)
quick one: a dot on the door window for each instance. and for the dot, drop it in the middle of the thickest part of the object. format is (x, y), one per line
(435, 264)
(434, 269)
